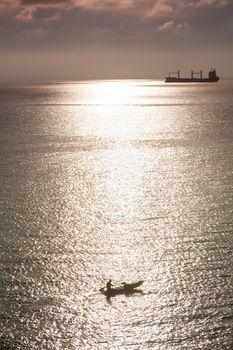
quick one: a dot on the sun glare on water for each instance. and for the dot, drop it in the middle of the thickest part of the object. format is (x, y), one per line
(113, 93)
(114, 113)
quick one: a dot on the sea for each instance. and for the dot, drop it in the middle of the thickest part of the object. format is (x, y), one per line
(125, 180)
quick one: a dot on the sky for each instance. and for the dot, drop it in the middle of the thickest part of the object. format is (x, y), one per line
(105, 39)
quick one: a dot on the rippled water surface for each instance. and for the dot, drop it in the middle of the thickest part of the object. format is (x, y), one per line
(128, 180)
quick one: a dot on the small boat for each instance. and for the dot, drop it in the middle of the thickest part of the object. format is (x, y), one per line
(125, 288)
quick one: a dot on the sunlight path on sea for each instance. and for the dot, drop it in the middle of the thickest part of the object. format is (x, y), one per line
(123, 180)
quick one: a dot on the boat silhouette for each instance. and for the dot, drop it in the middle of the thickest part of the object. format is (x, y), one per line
(196, 77)
(125, 288)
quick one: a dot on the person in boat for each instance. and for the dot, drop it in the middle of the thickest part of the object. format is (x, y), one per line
(109, 286)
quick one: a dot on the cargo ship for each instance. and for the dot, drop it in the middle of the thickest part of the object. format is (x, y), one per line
(196, 77)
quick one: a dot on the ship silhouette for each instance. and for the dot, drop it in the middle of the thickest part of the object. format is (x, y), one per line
(196, 77)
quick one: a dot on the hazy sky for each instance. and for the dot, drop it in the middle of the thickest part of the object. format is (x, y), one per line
(79, 39)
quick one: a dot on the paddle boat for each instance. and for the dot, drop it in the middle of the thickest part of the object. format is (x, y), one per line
(125, 288)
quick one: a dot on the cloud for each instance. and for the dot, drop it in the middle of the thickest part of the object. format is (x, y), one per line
(105, 4)
(26, 14)
(9, 2)
(114, 22)
(146, 9)
(160, 8)
(167, 25)
(43, 2)
(172, 26)
(217, 3)
(6, 6)
(140, 8)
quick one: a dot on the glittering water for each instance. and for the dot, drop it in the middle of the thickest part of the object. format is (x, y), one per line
(124, 180)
